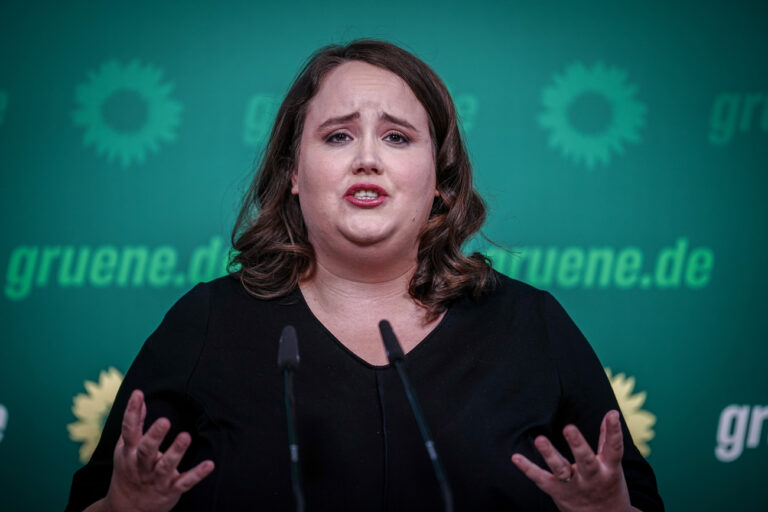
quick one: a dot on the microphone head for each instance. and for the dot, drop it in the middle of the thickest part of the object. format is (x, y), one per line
(391, 345)
(288, 349)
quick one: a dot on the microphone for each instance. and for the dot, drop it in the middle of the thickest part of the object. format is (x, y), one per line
(396, 356)
(288, 362)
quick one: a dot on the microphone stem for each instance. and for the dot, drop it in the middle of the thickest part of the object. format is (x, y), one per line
(421, 421)
(293, 445)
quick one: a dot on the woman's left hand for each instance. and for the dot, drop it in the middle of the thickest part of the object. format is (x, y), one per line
(595, 482)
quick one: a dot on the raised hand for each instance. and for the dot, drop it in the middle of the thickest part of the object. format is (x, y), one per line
(145, 479)
(595, 482)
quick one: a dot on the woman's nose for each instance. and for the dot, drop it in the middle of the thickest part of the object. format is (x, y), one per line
(367, 158)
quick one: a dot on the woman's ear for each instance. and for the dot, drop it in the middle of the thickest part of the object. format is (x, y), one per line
(294, 183)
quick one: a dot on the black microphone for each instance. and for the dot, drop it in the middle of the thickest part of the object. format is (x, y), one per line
(396, 356)
(288, 362)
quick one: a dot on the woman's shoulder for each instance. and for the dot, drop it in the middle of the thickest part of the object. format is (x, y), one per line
(509, 285)
(223, 290)
(227, 287)
(507, 289)
(227, 297)
(221, 296)
(222, 309)
(197, 299)
(513, 299)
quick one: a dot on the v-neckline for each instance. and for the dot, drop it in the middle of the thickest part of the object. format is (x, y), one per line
(425, 341)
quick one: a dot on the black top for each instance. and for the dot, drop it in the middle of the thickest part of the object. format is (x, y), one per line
(495, 373)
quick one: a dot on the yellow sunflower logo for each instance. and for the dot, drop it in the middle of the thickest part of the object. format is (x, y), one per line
(91, 410)
(608, 85)
(639, 421)
(126, 110)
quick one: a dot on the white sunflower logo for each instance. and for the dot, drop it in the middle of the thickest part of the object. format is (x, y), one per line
(149, 114)
(640, 422)
(626, 115)
(91, 410)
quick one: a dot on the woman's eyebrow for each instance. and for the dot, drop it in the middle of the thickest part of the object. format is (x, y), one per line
(397, 120)
(356, 115)
(338, 120)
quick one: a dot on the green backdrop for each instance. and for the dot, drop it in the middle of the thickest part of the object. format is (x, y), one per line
(622, 148)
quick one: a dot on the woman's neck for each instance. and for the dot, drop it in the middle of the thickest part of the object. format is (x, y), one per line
(333, 287)
(351, 308)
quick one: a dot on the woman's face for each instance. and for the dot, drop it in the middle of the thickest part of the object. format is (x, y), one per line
(366, 172)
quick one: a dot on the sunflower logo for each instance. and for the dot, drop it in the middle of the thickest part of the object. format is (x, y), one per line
(467, 106)
(3, 420)
(91, 410)
(639, 421)
(259, 116)
(597, 88)
(126, 110)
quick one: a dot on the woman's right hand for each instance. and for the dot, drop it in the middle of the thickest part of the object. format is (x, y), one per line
(145, 479)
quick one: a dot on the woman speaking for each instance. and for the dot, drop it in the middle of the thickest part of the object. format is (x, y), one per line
(358, 213)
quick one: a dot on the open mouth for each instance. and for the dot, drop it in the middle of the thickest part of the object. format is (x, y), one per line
(365, 195)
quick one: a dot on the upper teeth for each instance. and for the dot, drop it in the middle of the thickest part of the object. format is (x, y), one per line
(366, 194)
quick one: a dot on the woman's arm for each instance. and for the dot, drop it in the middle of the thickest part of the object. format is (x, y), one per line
(162, 370)
(586, 397)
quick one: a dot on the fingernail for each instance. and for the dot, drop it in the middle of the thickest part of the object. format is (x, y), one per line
(516, 458)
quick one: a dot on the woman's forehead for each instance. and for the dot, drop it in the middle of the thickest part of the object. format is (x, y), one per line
(355, 86)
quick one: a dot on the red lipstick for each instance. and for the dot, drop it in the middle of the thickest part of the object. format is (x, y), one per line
(368, 195)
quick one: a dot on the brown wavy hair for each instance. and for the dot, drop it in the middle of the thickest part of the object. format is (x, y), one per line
(272, 250)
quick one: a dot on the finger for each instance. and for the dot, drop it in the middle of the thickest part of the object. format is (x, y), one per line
(146, 452)
(559, 465)
(613, 449)
(131, 429)
(118, 449)
(544, 480)
(601, 440)
(189, 479)
(586, 461)
(166, 465)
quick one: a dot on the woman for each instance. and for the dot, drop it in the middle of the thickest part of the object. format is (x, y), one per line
(357, 214)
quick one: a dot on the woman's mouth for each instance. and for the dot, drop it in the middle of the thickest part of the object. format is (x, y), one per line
(365, 195)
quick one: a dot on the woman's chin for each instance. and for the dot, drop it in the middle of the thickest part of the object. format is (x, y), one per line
(365, 239)
(366, 235)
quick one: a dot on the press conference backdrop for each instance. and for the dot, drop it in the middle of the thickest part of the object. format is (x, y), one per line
(622, 148)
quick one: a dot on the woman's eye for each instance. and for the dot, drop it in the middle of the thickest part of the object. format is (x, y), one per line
(337, 137)
(397, 138)
(393, 137)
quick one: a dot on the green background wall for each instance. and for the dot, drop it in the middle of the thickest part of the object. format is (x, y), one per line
(622, 148)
